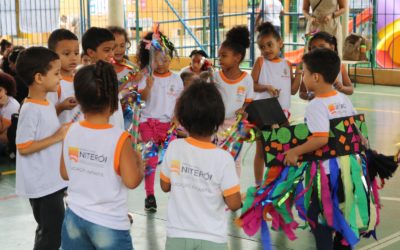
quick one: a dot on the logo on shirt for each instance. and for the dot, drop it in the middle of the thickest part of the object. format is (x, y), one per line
(240, 93)
(335, 108)
(186, 169)
(175, 166)
(88, 156)
(172, 91)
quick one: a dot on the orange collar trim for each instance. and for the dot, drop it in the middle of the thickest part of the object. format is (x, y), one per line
(87, 124)
(200, 144)
(69, 79)
(169, 73)
(329, 94)
(229, 81)
(40, 102)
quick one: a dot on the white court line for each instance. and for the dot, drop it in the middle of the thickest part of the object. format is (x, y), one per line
(389, 240)
(390, 198)
(376, 93)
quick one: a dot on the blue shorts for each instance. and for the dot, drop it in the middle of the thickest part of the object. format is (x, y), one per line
(78, 233)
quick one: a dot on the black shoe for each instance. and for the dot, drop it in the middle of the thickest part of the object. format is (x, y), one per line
(150, 204)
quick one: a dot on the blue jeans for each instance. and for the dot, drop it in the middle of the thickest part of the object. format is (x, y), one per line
(81, 234)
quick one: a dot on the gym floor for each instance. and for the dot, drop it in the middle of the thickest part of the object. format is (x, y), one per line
(380, 104)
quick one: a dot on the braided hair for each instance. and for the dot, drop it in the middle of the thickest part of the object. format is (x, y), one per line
(96, 88)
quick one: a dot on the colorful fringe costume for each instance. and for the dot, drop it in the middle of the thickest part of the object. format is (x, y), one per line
(352, 215)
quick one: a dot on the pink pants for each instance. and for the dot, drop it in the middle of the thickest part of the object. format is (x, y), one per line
(155, 131)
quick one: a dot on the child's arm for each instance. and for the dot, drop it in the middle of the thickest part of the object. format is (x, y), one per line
(234, 201)
(131, 166)
(146, 91)
(68, 104)
(303, 94)
(165, 186)
(31, 147)
(63, 170)
(312, 144)
(346, 87)
(296, 80)
(255, 74)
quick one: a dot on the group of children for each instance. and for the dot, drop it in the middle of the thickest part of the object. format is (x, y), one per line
(76, 116)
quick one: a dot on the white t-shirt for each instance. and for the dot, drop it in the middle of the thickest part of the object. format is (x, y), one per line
(38, 174)
(201, 175)
(278, 74)
(67, 90)
(272, 10)
(95, 189)
(11, 107)
(324, 108)
(234, 92)
(161, 102)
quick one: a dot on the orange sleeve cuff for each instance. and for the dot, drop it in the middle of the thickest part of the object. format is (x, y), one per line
(24, 145)
(248, 100)
(232, 190)
(118, 150)
(320, 134)
(6, 122)
(164, 178)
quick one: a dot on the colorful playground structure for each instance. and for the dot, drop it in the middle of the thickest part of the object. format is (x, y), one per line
(388, 27)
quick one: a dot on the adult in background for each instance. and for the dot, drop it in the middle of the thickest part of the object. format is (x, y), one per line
(270, 11)
(325, 16)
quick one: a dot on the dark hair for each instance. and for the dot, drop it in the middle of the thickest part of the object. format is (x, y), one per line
(323, 61)
(94, 37)
(8, 83)
(200, 108)
(96, 88)
(120, 31)
(32, 61)
(12, 57)
(59, 35)
(322, 35)
(238, 40)
(198, 52)
(266, 29)
(143, 54)
(186, 74)
(4, 44)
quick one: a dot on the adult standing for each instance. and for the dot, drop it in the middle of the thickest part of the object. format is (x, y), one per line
(270, 11)
(325, 16)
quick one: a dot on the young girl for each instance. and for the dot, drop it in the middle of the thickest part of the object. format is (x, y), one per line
(160, 93)
(235, 85)
(127, 74)
(343, 83)
(272, 78)
(198, 63)
(100, 164)
(199, 176)
(8, 105)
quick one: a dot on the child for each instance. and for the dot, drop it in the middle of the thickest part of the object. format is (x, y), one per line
(85, 59)
(38, 142)
(66, 45)
(8, 105)
(127, 74)
(235, 85)
(100, 165)
(321, 67)
(199, 176)
(187, 78)
(198, 63)
(272, 78)
(21, 88)
(343, 83)
(98, 44)
(160, 95)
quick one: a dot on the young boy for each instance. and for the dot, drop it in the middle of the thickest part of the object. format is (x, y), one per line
(66, 45)
(200, 177)
(38, 140)
(321, 68)
(98, 44)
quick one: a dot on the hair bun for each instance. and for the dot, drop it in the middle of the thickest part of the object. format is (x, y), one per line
(240, 35)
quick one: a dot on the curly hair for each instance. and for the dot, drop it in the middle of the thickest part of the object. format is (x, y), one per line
(238, 40)
(8, 83)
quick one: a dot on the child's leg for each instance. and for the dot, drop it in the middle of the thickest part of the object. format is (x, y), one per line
(104, 238)
(322, 234)
(258, 163)
(49, 214)
(73, 234)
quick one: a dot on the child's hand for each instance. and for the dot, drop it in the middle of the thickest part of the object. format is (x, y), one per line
(149, 82)
(138, 77)
(61, 132)
(242, 112)
(273, 91)
(338, 85)
(69, 103)
(291, 158)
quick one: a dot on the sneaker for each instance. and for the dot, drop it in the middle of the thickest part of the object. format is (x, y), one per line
(150, 204)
